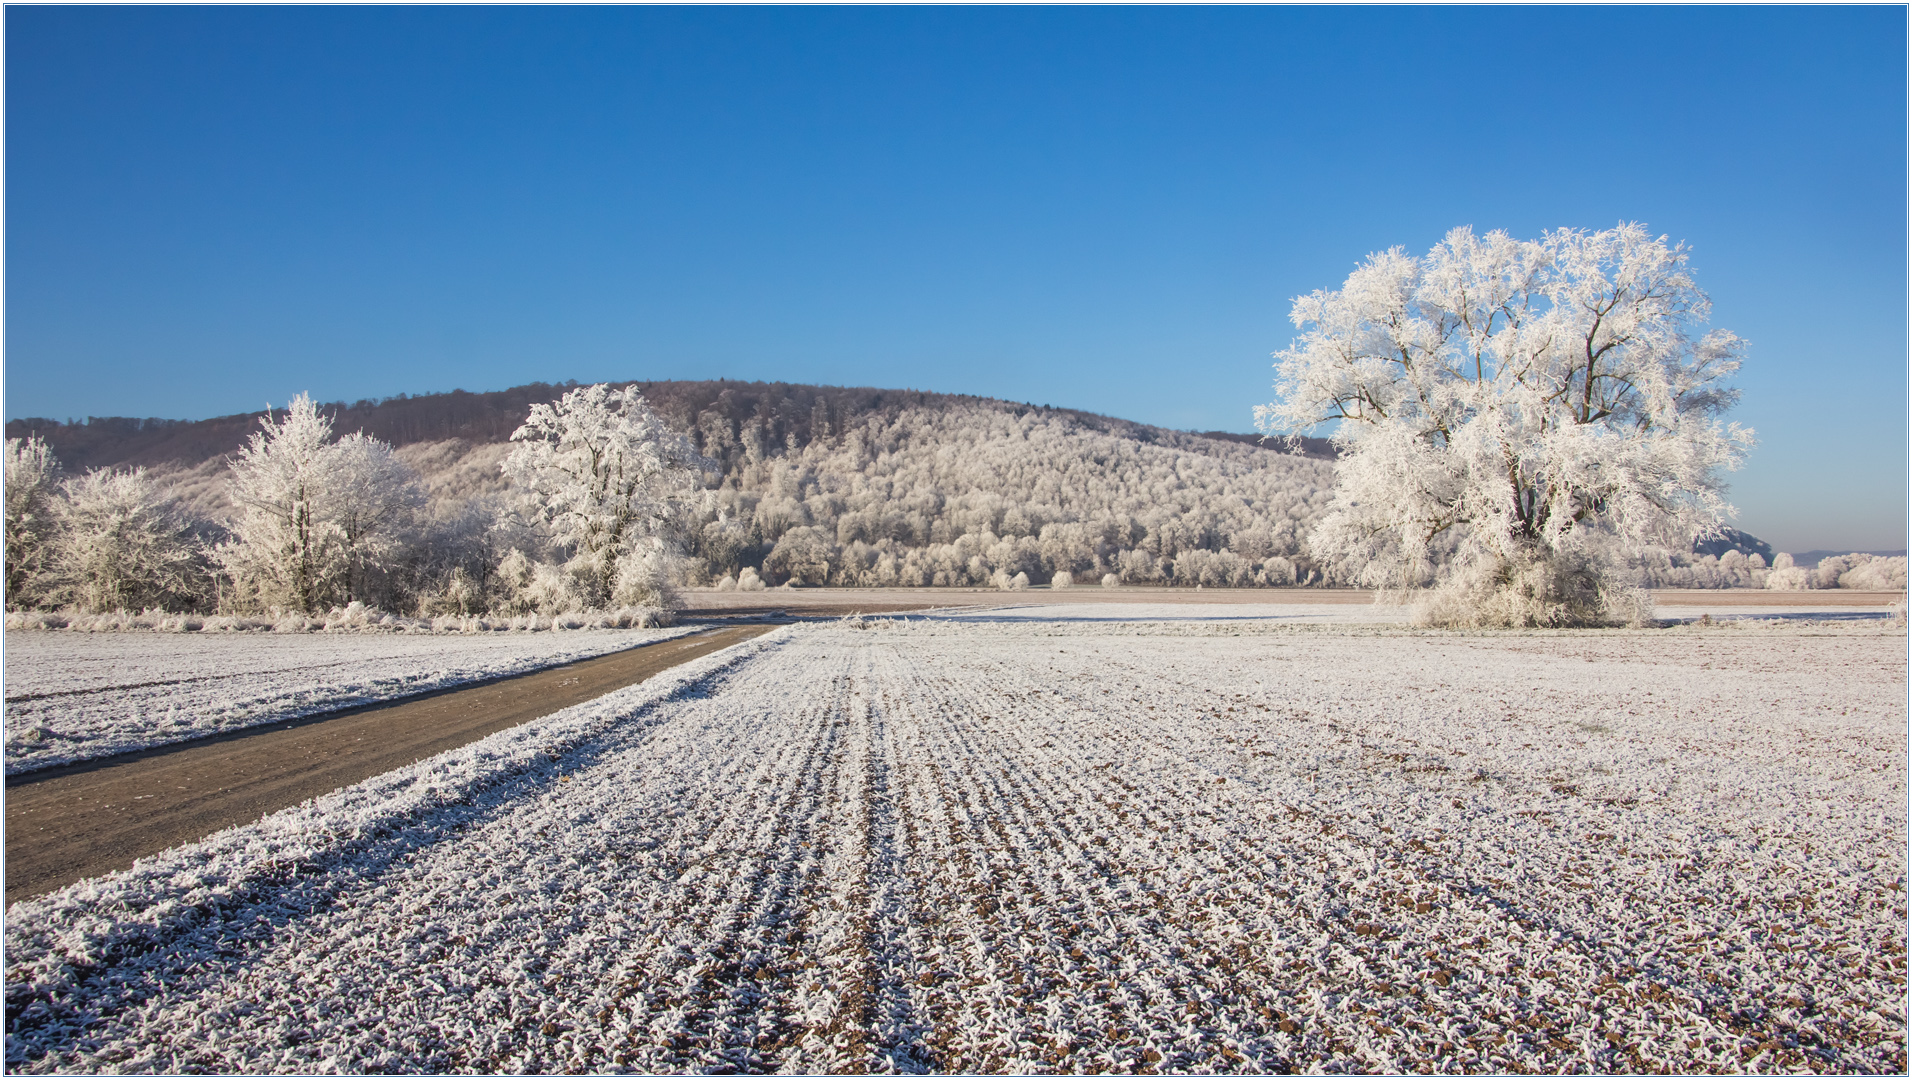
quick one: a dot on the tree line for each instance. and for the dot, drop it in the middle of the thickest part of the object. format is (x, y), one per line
(750, 488)
(606, 497)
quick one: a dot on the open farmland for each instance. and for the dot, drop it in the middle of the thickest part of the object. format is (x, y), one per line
(1078, 843)
(75, 696)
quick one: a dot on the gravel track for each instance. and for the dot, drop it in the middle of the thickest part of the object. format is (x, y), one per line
(935, 846)
(73, 696)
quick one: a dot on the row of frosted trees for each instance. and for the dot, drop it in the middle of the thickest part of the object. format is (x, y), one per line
(607, 505)
(319, 522)
(1737, 570)
(598, 505)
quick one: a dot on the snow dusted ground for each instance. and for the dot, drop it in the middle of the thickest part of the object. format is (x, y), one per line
(1019, 845)
(71, 696)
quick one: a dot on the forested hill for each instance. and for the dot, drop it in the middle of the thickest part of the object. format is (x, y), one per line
(786, 414)
(830, 485)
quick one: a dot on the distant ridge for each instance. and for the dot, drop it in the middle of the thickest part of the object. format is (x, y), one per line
(789, 410)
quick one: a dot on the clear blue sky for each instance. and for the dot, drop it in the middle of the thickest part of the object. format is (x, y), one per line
(210, 208)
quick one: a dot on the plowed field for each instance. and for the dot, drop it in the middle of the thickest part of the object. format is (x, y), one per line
(1037, 847)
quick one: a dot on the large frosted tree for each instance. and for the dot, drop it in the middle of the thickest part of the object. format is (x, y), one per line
(1510, 413)
(375, 501)
(317, 518)
(122, 544)
(606, 473)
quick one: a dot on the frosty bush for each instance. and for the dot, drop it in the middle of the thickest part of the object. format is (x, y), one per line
(1571, 588)
(1062, 580)
(1513, 415)
(1786, 575)
(1881, 574)
(1110, 581)
(1660, 568)
(120, 544)
(644, 574)
(31, 475)
(375, 500)
(748, 581)
(1001, 580)
(801, 556)
(526, 587)
(1857, 570)
(607, 474)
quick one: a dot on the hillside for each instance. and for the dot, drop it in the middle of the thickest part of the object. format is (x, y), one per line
(786, 411)
(844, 485)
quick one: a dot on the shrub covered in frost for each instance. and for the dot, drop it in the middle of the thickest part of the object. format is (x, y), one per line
(120, 543)
(1857, 570)
(1569, 588)
(320, 521)
(1860, 571)
(1003, 581)
(32, 475)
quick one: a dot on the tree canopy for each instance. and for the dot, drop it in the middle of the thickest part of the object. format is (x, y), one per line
(1511, 411)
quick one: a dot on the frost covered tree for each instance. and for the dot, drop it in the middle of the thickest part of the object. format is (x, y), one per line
(375, 501)
(32, 476)
(1511, 414)
(607, 474)
(121, 544)
(316, 517)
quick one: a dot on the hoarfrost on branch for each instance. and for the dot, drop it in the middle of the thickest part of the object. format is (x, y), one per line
(607, 473)
(317, 518)
(1512, 414)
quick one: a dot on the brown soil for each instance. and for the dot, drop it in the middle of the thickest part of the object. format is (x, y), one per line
(819, 607)
(79, 821)
(844, 601)
(1774, 598)
(709, 603)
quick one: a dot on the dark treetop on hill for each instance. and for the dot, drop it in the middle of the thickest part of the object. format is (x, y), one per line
(788, 409)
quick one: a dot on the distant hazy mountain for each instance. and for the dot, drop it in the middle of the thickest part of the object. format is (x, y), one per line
(1734, 540)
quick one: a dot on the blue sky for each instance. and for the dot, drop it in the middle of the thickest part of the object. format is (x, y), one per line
(210, 208)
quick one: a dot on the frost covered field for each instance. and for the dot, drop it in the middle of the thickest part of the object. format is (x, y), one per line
(73, 696)
(1039, 845)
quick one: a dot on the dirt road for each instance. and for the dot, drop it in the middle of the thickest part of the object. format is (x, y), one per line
(82, 820)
